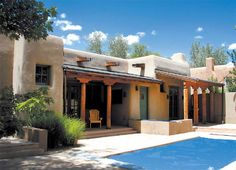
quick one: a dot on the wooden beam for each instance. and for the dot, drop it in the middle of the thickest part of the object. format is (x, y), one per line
(142, 65)
(204, 102)
(211, 105)
(111, 63)
(82, 59)
(195, 112)
(186, 96)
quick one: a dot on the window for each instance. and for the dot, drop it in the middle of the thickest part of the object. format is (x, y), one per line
(162, 88)
(117, 96)
(42, 75)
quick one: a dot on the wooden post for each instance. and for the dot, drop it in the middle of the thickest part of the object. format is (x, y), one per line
(195, 96)
(211, 105)
(83, 83)
(204, 105)
(185, 101)
(109, 97)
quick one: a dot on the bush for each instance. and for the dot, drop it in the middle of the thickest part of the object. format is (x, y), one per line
(52, 123)
(9, 123)
(73, 129)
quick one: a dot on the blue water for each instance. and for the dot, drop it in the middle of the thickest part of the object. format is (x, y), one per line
(194, 154)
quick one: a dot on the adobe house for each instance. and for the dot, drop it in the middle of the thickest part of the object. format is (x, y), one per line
(125, 91)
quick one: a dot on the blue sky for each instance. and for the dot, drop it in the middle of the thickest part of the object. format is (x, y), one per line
(165, 26)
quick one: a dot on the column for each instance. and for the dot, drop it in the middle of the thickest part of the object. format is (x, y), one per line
(211, 105)
(186, 95)
(109, 97)
(195, 112)
(83, 83)
(204, 105)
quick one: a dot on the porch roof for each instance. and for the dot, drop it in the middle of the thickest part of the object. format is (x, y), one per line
(188, 79)
(97, 74)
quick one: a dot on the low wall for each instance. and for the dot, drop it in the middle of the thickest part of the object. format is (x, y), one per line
(162, 127)
(230, 107)
(36, 135)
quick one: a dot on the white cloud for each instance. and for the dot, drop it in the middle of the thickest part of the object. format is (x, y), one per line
(131, 39)
(103, 36)
(70, 39)
(154, 32)
(232, 46)
(199, 29)
(222, 44)
(198, 37)
(66, 25)
(141, 34)
(63, 15)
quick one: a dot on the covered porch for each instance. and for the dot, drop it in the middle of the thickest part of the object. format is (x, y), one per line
(195, 87)
(110, 87)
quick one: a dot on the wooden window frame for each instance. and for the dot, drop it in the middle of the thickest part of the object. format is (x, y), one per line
(48, 67)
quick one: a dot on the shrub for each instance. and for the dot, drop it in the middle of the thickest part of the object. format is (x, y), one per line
(9, 124)
(73, 129)
(52, 123)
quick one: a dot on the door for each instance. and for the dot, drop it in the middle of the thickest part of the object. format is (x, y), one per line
(73, 99)
(143, 103)
(173, 103)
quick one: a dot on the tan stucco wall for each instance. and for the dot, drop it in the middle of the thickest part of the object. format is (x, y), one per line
(27, 55)
(6, 61)
(230, 107)
(157, 102)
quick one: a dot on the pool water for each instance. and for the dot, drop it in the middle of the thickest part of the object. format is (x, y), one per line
(194, 154)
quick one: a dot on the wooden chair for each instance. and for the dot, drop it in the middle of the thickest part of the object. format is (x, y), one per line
(94, 117)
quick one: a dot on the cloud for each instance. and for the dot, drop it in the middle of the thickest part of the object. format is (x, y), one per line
(154, 32)
(70, 39)
(131, 39)
(232, 46)
(103, 36)
(66, 25)
(141, 34)
(198, 37)
(199, 29)
(63, 15)
(222, 44)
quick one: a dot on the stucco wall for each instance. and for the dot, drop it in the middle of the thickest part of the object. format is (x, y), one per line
(120, 112)
(44, 52)
(98, 61)
(157, 102)
(230, 107)
(6, 61)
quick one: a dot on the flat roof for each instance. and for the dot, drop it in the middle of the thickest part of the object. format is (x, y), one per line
(187, 78)
(111, 74)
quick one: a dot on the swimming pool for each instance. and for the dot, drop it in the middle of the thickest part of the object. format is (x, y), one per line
(193, 154)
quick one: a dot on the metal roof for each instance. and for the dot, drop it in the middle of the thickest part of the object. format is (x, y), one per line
(114, 74)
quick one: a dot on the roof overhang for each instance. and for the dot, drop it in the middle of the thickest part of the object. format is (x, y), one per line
(189, 80)
(73, 71)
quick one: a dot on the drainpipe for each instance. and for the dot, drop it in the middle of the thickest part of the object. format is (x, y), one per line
(222, 98)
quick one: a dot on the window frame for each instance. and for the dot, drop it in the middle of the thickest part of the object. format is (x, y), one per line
(48, 75)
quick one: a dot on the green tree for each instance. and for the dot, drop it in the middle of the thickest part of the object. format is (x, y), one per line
(231, 79)
(232, 55)
(118, 47)
(139, 50)
(199, 53)
(95, 42)
(27, 18)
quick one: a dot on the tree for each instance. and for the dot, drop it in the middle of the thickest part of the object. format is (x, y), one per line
(199, 53)
(118, 47)
(27, 18)
(139, 50)
(231, 79)
(232, 56)
(95, 42)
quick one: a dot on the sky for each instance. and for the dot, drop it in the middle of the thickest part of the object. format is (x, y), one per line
(164, 26)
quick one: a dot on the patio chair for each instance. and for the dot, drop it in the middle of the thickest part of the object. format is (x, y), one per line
(94, 117)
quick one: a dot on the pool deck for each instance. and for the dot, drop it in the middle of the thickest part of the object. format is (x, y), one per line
(93, 153)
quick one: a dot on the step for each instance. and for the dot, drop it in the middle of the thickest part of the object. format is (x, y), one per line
(109, 134)
(98, 131)
(21, 153)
